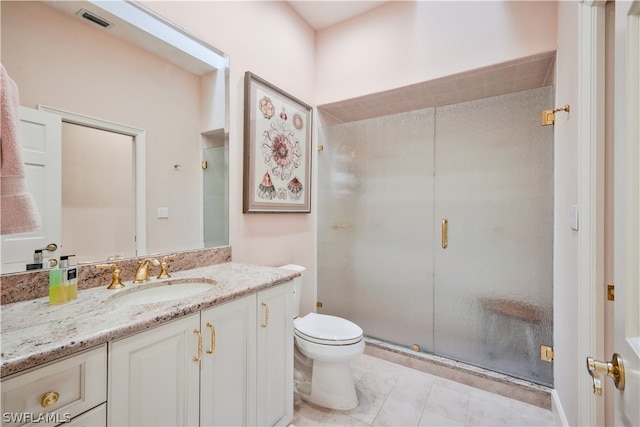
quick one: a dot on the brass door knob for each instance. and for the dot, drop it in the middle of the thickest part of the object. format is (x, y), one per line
(613, 369)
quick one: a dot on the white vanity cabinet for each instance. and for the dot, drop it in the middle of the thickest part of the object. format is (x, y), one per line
(228, 365)
(59, 392)
(153, 378)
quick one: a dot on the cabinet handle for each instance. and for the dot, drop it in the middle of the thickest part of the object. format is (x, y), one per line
(266, 315)
(213, 338)
(197, 358)
(445, 233)
(49, 399)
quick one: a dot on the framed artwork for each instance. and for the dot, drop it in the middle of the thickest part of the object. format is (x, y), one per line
(277, 149)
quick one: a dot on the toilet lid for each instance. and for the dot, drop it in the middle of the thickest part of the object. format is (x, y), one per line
(326, 329)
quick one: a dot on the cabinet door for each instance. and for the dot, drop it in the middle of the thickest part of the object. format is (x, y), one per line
(154, 380)
(227, 390)
(96, 417)
(275, 355)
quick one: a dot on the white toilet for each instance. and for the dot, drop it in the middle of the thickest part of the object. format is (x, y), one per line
(324, 348)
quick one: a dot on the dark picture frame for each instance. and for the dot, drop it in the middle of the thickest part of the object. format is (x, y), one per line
(277, 149)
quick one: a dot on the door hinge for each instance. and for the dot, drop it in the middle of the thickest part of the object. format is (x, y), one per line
(319, 304)
(203, 165)
(546, 353)
(549, 116)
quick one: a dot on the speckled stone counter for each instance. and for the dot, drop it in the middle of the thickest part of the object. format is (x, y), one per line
(34, 332)
(35, 284)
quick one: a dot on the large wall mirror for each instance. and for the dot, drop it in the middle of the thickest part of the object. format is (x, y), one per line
(139, 112)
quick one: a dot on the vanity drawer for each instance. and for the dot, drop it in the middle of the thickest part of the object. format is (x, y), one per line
(55, 393)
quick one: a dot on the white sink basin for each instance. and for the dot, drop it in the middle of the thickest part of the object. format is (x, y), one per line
(160, 292)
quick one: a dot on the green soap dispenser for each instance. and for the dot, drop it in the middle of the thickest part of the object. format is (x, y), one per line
(58, 293)
(63, 282)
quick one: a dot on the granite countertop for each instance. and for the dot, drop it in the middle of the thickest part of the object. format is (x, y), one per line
(34, 332)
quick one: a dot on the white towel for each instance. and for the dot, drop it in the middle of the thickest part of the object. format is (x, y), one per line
(19, 211)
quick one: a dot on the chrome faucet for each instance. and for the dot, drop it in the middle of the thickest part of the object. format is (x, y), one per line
(142, 273)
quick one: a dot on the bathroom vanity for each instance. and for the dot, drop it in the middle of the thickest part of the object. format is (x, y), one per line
(221, 356)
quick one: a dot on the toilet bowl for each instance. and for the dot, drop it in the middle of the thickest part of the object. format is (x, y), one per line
(324, 348)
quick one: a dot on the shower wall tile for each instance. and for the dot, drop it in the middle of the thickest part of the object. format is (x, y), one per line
(511, 76)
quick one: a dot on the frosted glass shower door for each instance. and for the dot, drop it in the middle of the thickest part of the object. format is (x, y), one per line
(215, 195)
(493, 282)
(375, 253)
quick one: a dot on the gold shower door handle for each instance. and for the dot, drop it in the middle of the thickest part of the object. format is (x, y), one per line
(445, 233)
(614, 369)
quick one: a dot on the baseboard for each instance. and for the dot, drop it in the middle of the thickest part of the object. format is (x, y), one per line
(557, 410)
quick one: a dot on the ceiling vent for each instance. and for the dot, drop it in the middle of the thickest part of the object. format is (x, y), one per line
(92, 17)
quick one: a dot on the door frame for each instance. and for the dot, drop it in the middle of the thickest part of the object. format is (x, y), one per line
(140, 145)
(591, 186)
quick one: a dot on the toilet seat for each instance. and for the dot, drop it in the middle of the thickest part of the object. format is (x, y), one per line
(327, 330)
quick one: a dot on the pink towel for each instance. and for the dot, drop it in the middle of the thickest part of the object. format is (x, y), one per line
(19, 211)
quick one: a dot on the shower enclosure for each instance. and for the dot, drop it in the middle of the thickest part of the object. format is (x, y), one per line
(436, 230)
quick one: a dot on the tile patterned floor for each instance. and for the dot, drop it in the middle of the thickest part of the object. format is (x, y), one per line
(394, 395)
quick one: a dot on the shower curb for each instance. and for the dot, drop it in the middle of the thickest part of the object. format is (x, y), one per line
(504, 385)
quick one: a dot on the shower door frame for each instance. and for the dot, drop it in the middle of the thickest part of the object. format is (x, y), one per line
(356, 298)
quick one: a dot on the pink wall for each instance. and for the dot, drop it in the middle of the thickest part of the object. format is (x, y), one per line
(406, 42)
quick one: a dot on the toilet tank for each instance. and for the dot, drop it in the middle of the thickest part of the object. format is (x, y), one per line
(297, 286)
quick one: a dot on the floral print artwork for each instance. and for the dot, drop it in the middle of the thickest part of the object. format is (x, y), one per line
(277, 144)
(280, 143)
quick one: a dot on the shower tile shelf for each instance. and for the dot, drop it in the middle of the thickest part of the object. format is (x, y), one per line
(516, 314)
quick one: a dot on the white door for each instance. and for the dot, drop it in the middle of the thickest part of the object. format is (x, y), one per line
(42, 156)
(627, 210)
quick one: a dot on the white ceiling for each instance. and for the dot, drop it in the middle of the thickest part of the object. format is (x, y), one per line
(321, 14)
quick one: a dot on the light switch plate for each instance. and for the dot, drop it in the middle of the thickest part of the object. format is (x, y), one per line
(163, 212)
(574, 217)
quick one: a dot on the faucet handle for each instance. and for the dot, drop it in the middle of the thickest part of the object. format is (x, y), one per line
(164, 274)
(142, 273)
(116, 283)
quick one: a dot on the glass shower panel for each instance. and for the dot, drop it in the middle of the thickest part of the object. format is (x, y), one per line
(375, 261)
(215, 197)
(494, 185)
